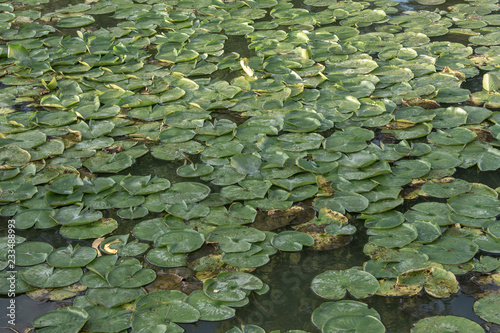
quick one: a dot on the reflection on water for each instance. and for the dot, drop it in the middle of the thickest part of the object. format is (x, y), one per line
(26, 310)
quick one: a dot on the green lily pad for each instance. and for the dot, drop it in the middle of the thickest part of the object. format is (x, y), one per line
(162, 257)
(163, 313)
(189, 192)
(188, 212)
(353, 323)
(69, 319)
(231, 287)
(249, 189)
(130, 276)
(291, 241)
(384, 220)
(71, 257)
(450, 250)
(104, 319)
(398, 236)
(351, 140)
(75, 21)
(108, 163)
(255, 257)
(32, 253)
(132, 213)
(237, 214)
(75, 215)
(149, 230)
(235, 238)
(486, 264)
(413, 168)
(449, 323)
(477, 206)
(112, 297)
(488, 243)
(7, 277)
(194, 170)
(180, 241)
(209, 309)
(249, 164)
(428, 231)
(329, 310)
(143, 185)
(446, 189)
(87, 231)
(334, 284)
(39, 218)
(486, 308)
(46, 276)
(429, 211)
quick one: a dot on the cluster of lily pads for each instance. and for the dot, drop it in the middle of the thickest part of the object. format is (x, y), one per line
(347, 107)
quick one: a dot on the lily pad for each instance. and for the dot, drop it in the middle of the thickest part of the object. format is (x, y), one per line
(446, 189)
(162, 257)
(32, 253)
(130, 276)
(163, 313)
(291, 241)
(450, 250)
(237, 214)
(189, 192)
(353, 323)
(249, 189)
(231, 287)
(486, 308)
(235, 238)
(449, 323)
(329, 310)
(92, 230)
(477, 206)
(112, 297)
(68, 319)
(46, 276)
(334, 284)
(394, 237)
(75, 21)
(209, 309)
(180, 241)
(71, 257)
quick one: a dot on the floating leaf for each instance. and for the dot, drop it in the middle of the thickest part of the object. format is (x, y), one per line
(69, 319)
(209, 309)
(291, 241)
(93, 230)
(439, 323)
(71, 257)
(334, 284)
(32, 253)
(394, 237)
(329, 310)
(75, 21)
(450, 250)
(353, 323)
(477, 206)
(112, 297)
(487, 308)
(231, 287)
(446, 189)
(45, 276)
(180, 241)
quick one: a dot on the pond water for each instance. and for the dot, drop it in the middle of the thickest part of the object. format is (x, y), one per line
(290, 301)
